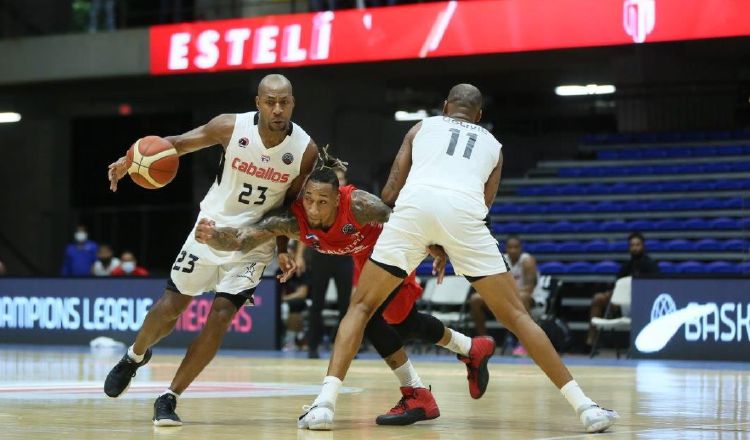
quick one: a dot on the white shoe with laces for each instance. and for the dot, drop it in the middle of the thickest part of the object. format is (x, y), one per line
(596, 418)
(316, 417)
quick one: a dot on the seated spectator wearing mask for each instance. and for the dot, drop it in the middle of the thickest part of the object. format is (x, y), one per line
(79, 255)
(129, 267)
(105, 262)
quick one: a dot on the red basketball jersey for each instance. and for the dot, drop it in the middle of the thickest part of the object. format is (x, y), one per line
(347, 237)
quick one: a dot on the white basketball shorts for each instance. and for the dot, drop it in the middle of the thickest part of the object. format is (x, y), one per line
(199, 268)
(438, 217)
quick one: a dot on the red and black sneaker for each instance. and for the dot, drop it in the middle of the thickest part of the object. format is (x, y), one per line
(482, 349)
(415, 405)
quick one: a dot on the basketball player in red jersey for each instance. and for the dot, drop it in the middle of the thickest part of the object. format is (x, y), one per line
(348, 221)
(266, 160)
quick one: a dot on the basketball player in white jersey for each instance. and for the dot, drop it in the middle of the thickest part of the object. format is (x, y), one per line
(443, 181)
(266, 160)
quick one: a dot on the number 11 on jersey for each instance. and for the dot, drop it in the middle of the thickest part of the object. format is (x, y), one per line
(455, 133)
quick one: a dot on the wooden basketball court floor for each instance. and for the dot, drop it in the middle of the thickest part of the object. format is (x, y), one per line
(55, 393)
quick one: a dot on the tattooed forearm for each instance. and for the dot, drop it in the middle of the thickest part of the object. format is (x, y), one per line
(368, 208)
(225, 239)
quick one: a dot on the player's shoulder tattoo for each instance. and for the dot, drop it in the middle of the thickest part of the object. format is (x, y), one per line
(368, 208)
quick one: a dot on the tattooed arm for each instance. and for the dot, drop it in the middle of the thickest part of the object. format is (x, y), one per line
(368, 208)
(245, 239)
(400, 168)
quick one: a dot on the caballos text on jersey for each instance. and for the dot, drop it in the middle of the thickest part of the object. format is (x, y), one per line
(263, 173)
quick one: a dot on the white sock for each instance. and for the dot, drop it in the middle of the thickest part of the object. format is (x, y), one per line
(574, 395)
(459, 343)
(408, 376)
(330, 391)
(170, 392)
(136, 357)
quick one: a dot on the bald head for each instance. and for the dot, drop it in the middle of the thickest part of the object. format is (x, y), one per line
(464, 101)
(274, 83)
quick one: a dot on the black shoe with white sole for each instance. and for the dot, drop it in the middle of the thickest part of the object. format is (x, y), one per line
(118, 379)
(164, 414)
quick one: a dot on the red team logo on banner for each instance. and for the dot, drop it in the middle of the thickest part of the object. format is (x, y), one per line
(639, 18)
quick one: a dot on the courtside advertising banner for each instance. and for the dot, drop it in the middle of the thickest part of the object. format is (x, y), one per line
(75, 311)
(691, 319)
(439, 29)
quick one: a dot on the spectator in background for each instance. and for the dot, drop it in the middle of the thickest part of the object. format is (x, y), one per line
(129, 267)
(293, 300)
(105, 262)
(95, 10)
(524, 271)
(79, 255)
(2, 269)
(639, 264)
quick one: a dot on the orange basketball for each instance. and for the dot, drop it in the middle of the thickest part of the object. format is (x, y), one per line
(152, 162)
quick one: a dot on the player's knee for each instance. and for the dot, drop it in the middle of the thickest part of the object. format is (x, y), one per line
(361, 309)
(221, 315)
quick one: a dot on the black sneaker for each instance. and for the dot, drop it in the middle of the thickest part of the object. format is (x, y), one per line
(118, 379)
(164, 414)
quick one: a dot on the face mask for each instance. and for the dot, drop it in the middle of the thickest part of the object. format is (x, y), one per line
(106, 261)
(128, 266)
(80, 236)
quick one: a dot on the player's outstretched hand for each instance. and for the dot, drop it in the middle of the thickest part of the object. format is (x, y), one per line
(439, 259)
(288, 267)
(117, 171)
(205, 230)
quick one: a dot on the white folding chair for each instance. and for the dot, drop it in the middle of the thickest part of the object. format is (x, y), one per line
(450, 294)
(621, 296)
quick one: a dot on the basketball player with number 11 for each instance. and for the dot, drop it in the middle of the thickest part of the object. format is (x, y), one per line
(266, 160)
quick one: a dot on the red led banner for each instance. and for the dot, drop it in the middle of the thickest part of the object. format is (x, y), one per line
(442, 29)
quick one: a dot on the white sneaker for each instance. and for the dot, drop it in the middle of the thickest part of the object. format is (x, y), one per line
(596, 418)
(317, 417)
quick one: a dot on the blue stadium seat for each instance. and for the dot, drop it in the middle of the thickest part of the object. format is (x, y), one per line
(740, 167)
(642, 225)
(595, 246)
(746, 149)
(735, 245)
(582, 207)
(615, 226)
(685, 205)
(580, 267)
(729, 150)
(606, 267)
(618, 246)
(734, 203)
(552, 267)
(508, 228)
(724, 223)
(630, 154)
(679, 152)
(728, 185)
(668, 225)
(706, 151)
(545, 247)
(706, 204)
(607, 155)
(608, 206)
(691, 267)
(588, 226)
(707, 245)
(744, 223)
(653, 205)
(558, 207)
(503, 208)
(570, 247)
(654, 153)
(569, 172)
(717, 168)
(532, 208)
(655, 246)
(697, 224)
(679, 245)
(744, 268)
(667, 267)
(721, 267)
(562, 226)
(537, 228)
